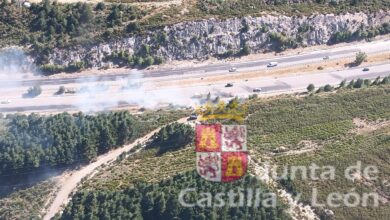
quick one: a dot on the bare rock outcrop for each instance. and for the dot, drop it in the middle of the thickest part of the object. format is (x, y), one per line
(204, 38)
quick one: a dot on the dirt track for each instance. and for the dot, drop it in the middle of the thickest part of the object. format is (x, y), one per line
(68, 185)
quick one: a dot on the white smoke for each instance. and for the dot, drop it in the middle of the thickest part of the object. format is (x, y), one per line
(91, 94)
(94, 95)
(15, 66)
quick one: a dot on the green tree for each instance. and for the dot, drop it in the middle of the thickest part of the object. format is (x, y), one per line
(360, 58)
(61, 90)
(310, 87)
(148, 61)
(88, 150)
(123, 133)
(328, 88)
(359, 83)
(245, 50)
(133, 27)
(100, 6)
(86, 14)
(33, 91)
(343, 83)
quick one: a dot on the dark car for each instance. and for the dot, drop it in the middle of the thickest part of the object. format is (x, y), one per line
(192, 117)
(229, 85)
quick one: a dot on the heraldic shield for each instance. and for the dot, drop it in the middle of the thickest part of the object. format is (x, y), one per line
(221, 152)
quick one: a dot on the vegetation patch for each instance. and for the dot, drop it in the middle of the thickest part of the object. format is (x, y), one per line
(160, 201)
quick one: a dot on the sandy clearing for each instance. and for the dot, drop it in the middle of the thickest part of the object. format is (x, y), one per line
(304, 146)
(365, 126)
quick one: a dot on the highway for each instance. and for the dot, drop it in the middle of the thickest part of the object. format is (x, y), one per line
(113, 91)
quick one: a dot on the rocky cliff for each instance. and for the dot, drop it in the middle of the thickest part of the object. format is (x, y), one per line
(204, 38)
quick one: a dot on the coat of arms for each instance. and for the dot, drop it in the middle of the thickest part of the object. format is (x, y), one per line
(221, 152)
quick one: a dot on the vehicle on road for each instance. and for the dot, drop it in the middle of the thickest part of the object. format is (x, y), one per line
(326, 58)
(229, 85)
(366, 69)
(233, 69)
(257, 90)
(5, 102)
(193, 116)
(272, 64)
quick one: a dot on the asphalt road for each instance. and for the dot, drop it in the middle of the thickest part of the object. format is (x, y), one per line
(148, 96)
(149, 93)
(347, 51)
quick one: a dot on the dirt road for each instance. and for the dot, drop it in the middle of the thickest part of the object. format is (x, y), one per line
(296, 210)
(68, 185)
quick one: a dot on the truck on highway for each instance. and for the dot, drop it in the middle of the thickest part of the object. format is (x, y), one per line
(272, 64)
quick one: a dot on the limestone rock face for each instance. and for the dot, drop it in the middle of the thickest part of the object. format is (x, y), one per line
(204, 38)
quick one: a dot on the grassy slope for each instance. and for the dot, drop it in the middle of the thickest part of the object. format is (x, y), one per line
(327, 120)
(27, 203)
(144, 166)
(287, 121)
(370, 149)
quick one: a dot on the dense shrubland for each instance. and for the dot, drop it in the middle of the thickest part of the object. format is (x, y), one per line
(33, 141)
(160, 201)
(172, 137)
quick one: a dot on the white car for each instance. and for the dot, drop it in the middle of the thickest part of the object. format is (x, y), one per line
(257, 90)
(233, 69)
(6, 102)
(272, 64)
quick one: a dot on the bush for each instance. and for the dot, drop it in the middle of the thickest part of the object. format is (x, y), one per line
(328, 88)
(148, 61)
(100, 6)
(321, 89)
(61, 90)
(310, 88)
(33, 92)
(358, 84)
(49, 69)
(132, 27)
(342, 84)
(158, 60)
(76, 66)
(360, 58)
(386, 80)
(245, 50)
(245, 27)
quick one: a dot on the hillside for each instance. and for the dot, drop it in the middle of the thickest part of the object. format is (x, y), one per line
(339, 128)
(71, 37)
